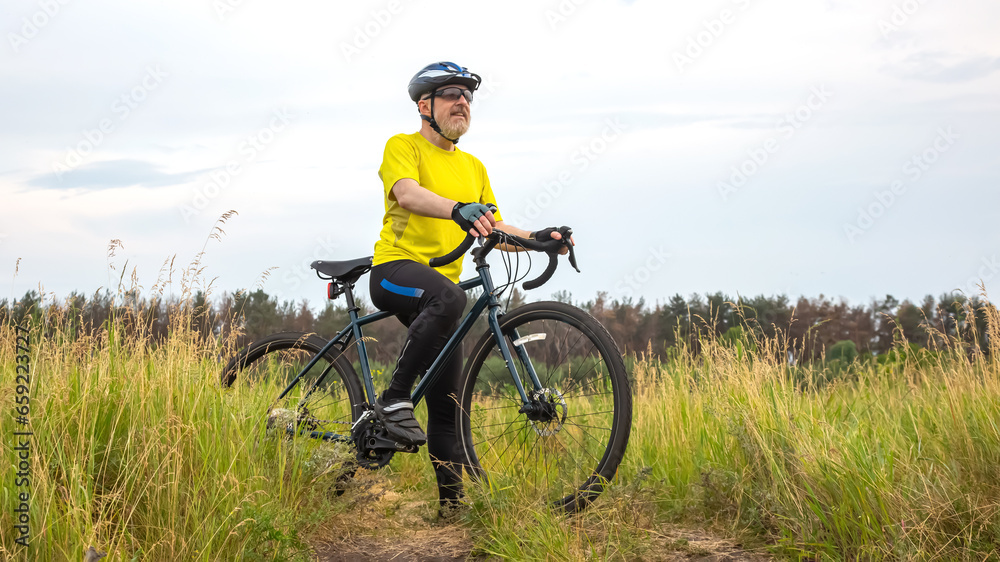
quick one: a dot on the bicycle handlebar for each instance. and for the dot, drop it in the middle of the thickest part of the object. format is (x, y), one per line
(544, 277)
(461, 249)
(454, 254)
(550, 247)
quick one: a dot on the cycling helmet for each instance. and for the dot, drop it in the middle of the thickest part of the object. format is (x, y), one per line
(438, 74)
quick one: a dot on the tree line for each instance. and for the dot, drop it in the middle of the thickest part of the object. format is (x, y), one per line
(804, 328)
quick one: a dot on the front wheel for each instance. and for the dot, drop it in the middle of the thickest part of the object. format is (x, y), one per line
(566, 444)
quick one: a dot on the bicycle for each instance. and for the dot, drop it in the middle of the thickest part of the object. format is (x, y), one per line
(544, 400)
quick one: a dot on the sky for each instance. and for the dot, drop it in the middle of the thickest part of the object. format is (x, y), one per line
(838, 148)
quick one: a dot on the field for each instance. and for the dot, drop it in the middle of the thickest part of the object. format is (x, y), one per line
(139, 451)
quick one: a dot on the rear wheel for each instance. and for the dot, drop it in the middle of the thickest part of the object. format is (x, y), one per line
(567, 444)
(323, 402)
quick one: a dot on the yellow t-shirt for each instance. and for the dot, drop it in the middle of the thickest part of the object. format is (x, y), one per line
(453, 174)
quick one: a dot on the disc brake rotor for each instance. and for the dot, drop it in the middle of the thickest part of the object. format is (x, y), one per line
(553, 411)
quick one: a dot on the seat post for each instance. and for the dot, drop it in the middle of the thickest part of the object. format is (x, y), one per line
(349, 294)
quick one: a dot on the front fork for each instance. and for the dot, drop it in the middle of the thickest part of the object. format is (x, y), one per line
(522, 355)
(493, 318)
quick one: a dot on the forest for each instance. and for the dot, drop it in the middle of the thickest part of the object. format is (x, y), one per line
(807, 328)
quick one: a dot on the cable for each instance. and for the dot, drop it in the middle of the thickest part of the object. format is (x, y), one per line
(512, 264)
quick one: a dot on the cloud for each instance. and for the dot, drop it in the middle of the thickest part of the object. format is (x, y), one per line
(943, 67)
(111, 174)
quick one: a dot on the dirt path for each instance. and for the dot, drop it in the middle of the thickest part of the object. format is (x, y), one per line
(380, 524)
(446, 544)
(452, 544)
(697, 545)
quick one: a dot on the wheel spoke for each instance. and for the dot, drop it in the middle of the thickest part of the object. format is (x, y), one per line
(584, 449)
(587, 434)
(590, 414)
(583, 376)
(481, 409)
(608, 429)
(504, 452)
(504, 432)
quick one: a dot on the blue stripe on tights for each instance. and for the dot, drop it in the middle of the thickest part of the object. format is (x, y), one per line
(405, 291)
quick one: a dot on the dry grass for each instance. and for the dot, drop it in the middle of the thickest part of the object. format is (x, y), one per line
(733, 455)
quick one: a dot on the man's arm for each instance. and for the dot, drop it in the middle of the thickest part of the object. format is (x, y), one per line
(418, 199)
(510, 229)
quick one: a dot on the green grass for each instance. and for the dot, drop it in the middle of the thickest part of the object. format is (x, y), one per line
(138, 451)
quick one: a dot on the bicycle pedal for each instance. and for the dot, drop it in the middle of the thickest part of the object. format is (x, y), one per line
(383, 441)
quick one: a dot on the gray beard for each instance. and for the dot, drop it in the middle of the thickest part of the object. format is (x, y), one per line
(453, 132)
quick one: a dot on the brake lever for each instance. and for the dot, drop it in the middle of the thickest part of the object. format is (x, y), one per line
(567, 234)
(572, 257)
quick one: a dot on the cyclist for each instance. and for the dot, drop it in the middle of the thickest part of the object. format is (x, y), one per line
(429, 186)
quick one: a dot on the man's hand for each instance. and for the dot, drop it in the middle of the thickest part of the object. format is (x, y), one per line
(475, 218)
(552, 233)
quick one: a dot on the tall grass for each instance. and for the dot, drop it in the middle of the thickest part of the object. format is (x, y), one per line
(890, 461)
(898, 461)
(139, 451)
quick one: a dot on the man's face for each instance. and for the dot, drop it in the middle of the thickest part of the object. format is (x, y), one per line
(452, 112)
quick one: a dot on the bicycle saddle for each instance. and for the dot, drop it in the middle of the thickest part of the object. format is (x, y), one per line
(343, 271)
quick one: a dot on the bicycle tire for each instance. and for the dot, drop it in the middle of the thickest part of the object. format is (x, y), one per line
(580, 367)
(277, 358)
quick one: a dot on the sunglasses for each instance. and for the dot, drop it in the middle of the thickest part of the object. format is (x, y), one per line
(452, 94)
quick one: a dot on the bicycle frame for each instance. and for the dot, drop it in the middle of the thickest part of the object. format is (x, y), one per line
(487, 301)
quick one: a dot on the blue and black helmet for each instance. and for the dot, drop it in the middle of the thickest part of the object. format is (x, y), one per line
(438, 74)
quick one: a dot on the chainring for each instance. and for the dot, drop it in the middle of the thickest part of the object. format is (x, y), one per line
(370, 457)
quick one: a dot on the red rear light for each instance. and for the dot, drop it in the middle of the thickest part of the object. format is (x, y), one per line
(329, 292)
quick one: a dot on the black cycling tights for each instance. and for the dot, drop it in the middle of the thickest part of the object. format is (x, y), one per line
(430, 305)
